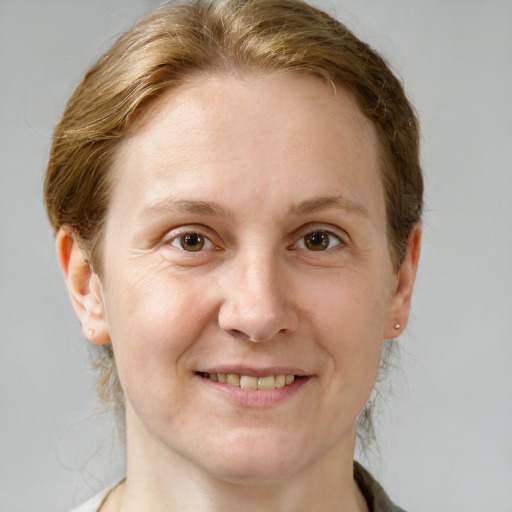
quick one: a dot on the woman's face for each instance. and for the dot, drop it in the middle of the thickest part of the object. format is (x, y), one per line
(246, 235)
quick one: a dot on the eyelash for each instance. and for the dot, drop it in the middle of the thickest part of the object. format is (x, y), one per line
(326, 239)
(179, 240)
(324, 236)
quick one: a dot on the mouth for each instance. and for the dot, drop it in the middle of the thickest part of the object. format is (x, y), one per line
(251, 382)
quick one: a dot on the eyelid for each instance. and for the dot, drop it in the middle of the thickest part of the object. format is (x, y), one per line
(208, 244)
(176, 233)
(334, 231)
(301, 243)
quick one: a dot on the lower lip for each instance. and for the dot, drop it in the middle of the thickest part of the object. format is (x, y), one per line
(256, 398)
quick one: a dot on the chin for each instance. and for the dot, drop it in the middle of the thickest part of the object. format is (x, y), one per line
(257, 474)
(256, 460)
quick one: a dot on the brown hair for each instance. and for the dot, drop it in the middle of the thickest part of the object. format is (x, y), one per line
(178, 41)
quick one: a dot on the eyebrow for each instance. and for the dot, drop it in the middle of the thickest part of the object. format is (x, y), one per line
(208, 208)
(186, 206)
(326, 203)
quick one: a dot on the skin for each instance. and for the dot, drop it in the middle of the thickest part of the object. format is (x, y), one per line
(254, 166)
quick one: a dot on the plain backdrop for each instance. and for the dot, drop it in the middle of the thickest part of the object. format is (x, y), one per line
(445, 433)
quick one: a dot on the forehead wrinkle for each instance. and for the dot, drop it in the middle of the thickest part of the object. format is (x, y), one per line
(323, 203)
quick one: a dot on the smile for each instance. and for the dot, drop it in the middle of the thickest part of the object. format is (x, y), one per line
(266, 383)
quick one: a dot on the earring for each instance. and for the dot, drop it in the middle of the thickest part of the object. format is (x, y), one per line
(397, 326)
(91, 331)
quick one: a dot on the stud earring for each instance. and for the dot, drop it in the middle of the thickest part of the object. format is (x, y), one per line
(397, 326)
(91, 331)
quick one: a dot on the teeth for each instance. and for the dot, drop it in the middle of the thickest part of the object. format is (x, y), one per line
(248, 382)
(280, 381)
(267, 383)
(232, 379)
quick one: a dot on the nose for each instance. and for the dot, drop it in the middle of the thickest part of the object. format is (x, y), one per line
(258, 301)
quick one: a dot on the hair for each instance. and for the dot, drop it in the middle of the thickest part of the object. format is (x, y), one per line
(180, 41)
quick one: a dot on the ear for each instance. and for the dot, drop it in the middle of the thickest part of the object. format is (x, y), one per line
(84, 287)
(400, 302)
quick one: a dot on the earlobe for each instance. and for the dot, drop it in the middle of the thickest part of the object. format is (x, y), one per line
(84, 287)
(400, 303)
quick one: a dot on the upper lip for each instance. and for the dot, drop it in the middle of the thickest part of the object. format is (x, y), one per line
(251, 371)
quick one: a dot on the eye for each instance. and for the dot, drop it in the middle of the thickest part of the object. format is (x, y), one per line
(191, 242)
(319, 241)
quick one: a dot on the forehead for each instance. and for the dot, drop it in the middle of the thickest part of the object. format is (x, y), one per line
(296, 97)
(261, 134)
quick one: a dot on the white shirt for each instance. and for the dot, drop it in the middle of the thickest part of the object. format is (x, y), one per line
(94, 504)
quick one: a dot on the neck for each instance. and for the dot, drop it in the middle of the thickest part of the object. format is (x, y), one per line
(159, 479)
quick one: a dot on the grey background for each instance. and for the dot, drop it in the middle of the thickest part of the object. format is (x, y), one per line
(445, 442)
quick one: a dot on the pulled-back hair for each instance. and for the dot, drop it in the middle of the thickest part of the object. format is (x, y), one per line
(235, 37)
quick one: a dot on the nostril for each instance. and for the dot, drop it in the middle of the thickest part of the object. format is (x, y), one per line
(240, 335)
(255, 335)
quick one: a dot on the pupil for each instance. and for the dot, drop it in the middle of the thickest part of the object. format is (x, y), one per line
(192, 242)
(317, 241)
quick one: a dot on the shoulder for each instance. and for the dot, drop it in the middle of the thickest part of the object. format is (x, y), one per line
(376, 497)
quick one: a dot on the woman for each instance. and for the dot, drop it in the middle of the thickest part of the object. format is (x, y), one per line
(236, 196)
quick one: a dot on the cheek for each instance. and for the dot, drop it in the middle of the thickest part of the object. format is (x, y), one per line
(153, 321)
(349, 313)
(349, 303)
